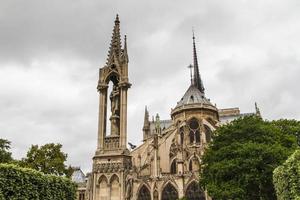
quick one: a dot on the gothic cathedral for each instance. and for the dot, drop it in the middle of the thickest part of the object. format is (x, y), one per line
(166, 165)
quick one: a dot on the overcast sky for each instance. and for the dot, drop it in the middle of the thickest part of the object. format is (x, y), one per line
(50, 52)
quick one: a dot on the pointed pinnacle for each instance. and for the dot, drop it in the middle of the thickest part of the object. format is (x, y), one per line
(146, 118)
(117, 19)
(125, 42)
(125, 49)
(115, 44)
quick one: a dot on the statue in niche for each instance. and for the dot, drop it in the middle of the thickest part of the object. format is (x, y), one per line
(129, 185)
(115, 110)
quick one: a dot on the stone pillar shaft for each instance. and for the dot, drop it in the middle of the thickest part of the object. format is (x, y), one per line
(102, 118)
(123, 118)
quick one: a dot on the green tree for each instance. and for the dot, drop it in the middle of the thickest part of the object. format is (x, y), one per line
(286, 178)
(5, 155)
(48, 159)
(289, 126)
(240, 160)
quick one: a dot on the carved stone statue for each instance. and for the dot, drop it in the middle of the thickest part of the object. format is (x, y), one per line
(129, 185)
(115, 101)
(115, 110)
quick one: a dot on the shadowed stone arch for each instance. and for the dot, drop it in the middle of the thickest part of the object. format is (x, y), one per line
(112, 76)
(144, 193)
(115, 187)
(194, 163)
(169, 192)
(194, 130)
(194, 192)
(173, 166)
(208, 133)
(102, 192)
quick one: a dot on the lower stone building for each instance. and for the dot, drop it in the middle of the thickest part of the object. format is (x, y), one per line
(166, 165)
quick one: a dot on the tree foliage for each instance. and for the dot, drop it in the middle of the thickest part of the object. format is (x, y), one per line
(5, 154)
(286, 178)
(24, 183)
(48, 159)
(240, 160)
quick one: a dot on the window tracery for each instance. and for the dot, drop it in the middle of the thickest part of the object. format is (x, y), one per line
(208, 134)
(173, 169)
(194, 134)
(169, 192)
(144, 193)
(194, 192)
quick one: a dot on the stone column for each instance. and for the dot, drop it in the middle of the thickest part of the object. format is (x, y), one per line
(94, 193)
(102, 116)
(180, 183)
(122, 186)
(108, 190)
(123, 115)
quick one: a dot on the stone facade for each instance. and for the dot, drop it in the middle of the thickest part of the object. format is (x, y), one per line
(166, 165)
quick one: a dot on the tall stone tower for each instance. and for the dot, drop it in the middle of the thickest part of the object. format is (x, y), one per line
(112, 162)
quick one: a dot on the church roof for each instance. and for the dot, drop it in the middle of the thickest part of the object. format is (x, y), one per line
(78, 176)
(193, 95)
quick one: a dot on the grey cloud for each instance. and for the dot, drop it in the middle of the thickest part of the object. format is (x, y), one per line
(50, 52)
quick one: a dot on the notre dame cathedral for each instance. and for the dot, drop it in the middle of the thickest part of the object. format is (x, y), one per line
(166, 165)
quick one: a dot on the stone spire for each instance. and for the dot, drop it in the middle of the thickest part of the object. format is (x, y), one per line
(257, 111)
(125, 54)
(146, 127)
(197, 79)
(115, 44)
(146, 118)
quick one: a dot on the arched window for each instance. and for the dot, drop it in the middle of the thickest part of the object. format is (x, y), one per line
(169, 192)
(194, 131)
(144, 193)
(191, 137)
(190, 166)
(181, 135)
(208, 134)
(194, 164)
(194, 192)
(197, 135)
(173, 169)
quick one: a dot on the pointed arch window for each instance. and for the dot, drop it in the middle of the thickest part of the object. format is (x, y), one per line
(208, 134)
(169, 192)
(173, 169)
(194, 133)
(144, 193)
(194, 192)
(194, 164)
(197, 136)
(181, 131)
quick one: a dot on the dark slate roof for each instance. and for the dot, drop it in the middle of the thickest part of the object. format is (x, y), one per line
(193, 95)
(78, 176)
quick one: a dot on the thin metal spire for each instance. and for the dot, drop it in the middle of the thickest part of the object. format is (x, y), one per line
(197, 79)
